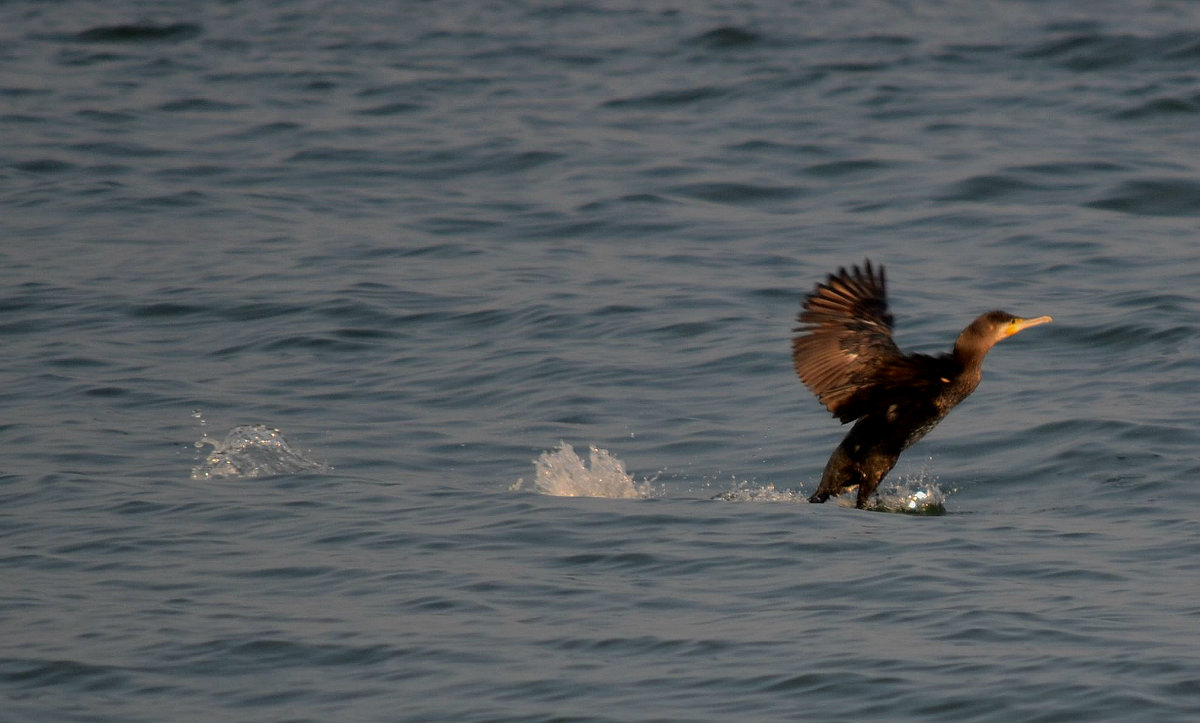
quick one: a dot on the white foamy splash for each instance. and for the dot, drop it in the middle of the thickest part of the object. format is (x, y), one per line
(562, 473)
(916, 496)
(251, 450)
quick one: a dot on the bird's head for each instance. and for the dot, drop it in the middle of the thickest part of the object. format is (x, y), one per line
(989, 328)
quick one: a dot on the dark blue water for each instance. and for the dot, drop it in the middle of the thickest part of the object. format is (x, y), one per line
(429, 241)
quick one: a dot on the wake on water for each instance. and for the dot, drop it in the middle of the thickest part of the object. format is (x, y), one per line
(561, 472)
(256, 450)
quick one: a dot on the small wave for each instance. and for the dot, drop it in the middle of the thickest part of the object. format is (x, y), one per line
(249, 451)
(1153, 197)
(854, 166)
(138, 33)
(738, 193)
(668, 98)
(989, 187)
(562, 473)
(1169, 107)
(726, 37)
(1089, 50)
(197, 105)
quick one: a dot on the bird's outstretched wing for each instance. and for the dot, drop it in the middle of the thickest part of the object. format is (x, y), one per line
(843, 348)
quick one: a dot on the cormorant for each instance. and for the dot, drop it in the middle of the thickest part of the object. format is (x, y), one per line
(844, 353)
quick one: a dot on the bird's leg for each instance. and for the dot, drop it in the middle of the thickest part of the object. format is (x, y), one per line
(864, 494)
(840, 474)
(874, 469)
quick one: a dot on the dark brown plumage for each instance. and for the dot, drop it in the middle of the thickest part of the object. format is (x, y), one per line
(844, 353)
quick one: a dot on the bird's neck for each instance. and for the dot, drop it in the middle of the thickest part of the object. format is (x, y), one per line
(969, 360)
(969, 354)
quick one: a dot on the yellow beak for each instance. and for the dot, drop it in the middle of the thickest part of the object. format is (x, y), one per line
(1021, 324)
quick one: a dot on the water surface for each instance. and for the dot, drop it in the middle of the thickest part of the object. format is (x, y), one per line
(428, 242)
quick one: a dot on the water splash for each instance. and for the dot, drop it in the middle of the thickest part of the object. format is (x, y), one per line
(913, 496)
(750, 492)
(917, 495)
(249, 451)
(562, 473)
